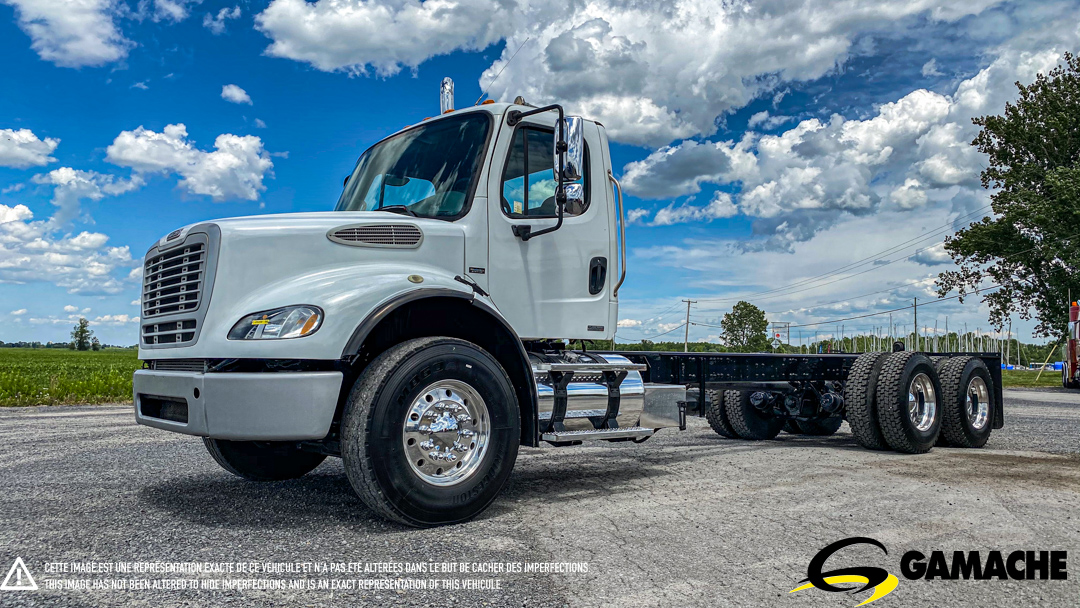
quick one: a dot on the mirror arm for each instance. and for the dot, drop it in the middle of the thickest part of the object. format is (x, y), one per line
(513, 117)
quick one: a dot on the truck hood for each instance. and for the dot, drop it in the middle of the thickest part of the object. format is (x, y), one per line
(342, 262)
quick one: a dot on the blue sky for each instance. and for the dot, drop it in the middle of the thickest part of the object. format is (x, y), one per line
(758, 151)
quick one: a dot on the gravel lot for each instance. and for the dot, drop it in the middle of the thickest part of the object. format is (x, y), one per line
(687, 519)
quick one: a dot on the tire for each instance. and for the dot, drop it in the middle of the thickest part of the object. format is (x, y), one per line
(384, 460)
(717, 416)
(821, 427)
(748, 421)
(262, 460)
(964, 424)
(860, 400)
(904, 374)
(792, 427)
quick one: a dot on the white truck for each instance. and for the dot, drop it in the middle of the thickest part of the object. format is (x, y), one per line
(417, 331)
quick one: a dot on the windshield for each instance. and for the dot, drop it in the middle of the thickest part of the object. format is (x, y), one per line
(428, 169)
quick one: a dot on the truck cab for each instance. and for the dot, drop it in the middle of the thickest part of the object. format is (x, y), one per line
(463, 244)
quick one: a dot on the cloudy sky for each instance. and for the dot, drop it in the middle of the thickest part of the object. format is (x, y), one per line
(806, 155)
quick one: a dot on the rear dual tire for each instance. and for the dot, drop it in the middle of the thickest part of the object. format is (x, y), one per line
(909, 402)
(968, 402)
(747, 421)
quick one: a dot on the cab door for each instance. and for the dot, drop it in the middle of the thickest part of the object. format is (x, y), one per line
(556, 285)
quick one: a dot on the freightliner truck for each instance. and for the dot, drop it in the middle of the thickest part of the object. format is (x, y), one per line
(419, 330)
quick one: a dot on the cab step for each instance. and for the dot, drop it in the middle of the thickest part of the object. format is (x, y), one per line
(626, 432)
(546, 416)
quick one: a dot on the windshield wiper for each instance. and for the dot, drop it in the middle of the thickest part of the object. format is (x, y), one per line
(402, 209)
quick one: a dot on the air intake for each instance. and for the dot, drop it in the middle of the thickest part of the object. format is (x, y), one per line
(377, 235)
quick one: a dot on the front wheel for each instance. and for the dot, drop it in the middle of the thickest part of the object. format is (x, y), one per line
(430, 432)
(262, 460)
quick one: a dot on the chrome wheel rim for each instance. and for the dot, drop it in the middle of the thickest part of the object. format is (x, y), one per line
(446, 433)
(922, 402)
(978, 403)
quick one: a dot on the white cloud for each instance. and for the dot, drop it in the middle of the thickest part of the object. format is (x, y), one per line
(73, 33)
(259, 124)
(719, 207)
(22, 149)
(172, 10)
(216, 23)
(114, 320)
(909, 154)
(679, 170)
(16, 313)
(658, 72)
(933, 256)
(72, 185)
(629, 323)
(930, 68)
(234, 170)
(142, 86)
(635, 216)
(13, 188)
(235, 94)
(70, 308)
(767, 121)
(32, 251)
(351, 35)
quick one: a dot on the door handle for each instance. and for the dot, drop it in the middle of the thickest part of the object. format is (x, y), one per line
(597, 275)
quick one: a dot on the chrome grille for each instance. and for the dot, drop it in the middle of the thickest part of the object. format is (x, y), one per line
(378, 235)
(173, 280)
(178, 365)
(169, 332)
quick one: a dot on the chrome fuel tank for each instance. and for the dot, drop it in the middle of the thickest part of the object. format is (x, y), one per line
(587, 397)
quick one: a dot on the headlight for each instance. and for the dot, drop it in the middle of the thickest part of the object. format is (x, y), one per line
(287, 322)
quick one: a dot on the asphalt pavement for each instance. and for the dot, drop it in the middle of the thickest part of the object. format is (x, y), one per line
(685, 519)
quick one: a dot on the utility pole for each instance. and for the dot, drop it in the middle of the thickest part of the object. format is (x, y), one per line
(686, 336)
(916, 323)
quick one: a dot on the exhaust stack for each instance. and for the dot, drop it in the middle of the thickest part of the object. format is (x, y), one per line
(446, 96)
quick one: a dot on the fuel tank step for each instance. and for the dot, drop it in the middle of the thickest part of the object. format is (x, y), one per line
(596, 434)
(545, 416)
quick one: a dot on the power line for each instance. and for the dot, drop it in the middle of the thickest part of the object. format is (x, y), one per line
(874, 314)
(872, 258)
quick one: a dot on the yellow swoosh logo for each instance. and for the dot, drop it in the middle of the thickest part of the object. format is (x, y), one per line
(880, 591)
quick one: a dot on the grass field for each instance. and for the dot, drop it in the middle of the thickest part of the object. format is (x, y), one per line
(1024, 379)
(61, 377)
(41, 376)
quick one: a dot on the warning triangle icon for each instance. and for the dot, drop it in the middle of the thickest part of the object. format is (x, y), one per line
(18, 578)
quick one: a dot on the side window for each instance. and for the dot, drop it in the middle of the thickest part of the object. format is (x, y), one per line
(528, 189)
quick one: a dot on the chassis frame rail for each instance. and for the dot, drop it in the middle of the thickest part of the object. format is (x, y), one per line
(720, 371)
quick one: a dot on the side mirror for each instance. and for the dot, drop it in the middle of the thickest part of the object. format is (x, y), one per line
(569, 141)
(574, 198)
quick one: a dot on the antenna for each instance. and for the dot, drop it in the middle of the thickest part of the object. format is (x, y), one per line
(501, 71)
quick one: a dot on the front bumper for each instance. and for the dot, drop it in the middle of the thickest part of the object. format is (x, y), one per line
(280, 406)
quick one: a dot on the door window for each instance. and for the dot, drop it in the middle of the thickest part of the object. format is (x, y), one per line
(528, 188)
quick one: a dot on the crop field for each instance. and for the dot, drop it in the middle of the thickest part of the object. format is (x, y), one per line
(52, 376)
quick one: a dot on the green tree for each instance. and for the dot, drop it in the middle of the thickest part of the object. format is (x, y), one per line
(1032, 247)
(745, 328)
(82, 336)
(95, 344)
